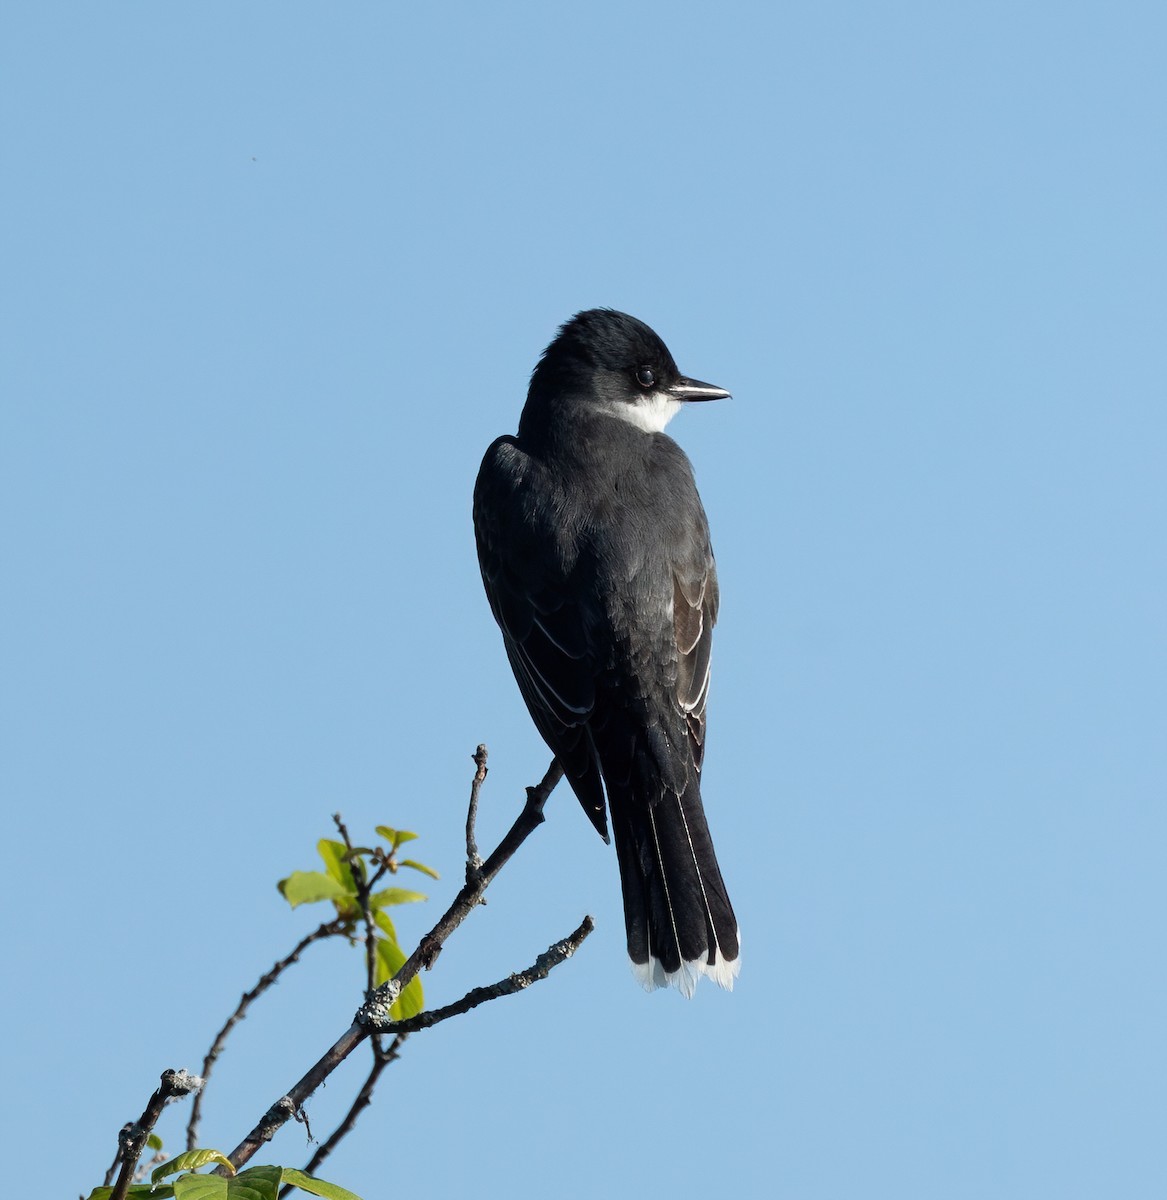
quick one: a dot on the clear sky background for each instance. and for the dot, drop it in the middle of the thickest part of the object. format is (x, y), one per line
(275, 275)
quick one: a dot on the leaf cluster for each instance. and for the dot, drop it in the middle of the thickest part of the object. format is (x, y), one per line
(349, 882)
(255, 1183)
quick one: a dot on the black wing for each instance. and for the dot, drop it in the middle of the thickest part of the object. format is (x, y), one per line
(532, 585)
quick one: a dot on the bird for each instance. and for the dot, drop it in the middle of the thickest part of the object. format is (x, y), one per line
(596, 558)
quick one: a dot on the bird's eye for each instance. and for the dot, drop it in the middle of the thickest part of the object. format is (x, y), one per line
(646, 377)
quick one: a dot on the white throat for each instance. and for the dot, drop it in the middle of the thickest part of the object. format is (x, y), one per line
(651, 413)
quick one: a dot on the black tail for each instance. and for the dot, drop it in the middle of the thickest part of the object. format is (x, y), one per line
(679, 919)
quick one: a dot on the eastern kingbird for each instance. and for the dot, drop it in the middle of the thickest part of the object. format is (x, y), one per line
(595, 553)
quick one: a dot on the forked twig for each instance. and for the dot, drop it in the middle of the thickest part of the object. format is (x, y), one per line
(373, 1016)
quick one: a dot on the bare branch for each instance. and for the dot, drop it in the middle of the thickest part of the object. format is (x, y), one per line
(546, 962)
(473, 861)
(555, 954)
(328, 929)
(430, 946)
(382, 1057)
(132, 1137)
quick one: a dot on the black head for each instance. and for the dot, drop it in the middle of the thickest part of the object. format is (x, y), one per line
(603, 360)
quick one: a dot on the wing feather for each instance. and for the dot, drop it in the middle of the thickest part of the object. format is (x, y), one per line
(544, 628)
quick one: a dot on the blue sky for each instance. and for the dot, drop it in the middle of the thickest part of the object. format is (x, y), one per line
(276, 274)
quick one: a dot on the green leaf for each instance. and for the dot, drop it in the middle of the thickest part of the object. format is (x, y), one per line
(394, 895)
(409, 862)
(335, 855)
(307, 887)
(397, 836)
(382, 921)
(191, 1160)
(390, 960)
(153, 1142)
(215, 1187)
(317, 1187)
(256, 1183)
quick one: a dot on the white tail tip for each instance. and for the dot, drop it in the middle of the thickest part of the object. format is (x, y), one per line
(723, 971)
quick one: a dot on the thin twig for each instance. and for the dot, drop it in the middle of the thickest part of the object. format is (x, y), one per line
(382, 1057)
(362, 885)
(528, 820)
(384, 866)
(430, 946)
(326, 930)
(132, 1137)
(473, 860)
(555, 954)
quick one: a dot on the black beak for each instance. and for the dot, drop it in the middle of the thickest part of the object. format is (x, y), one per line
(693, 389)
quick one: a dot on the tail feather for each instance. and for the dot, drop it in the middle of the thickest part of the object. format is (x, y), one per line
(678, 916)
